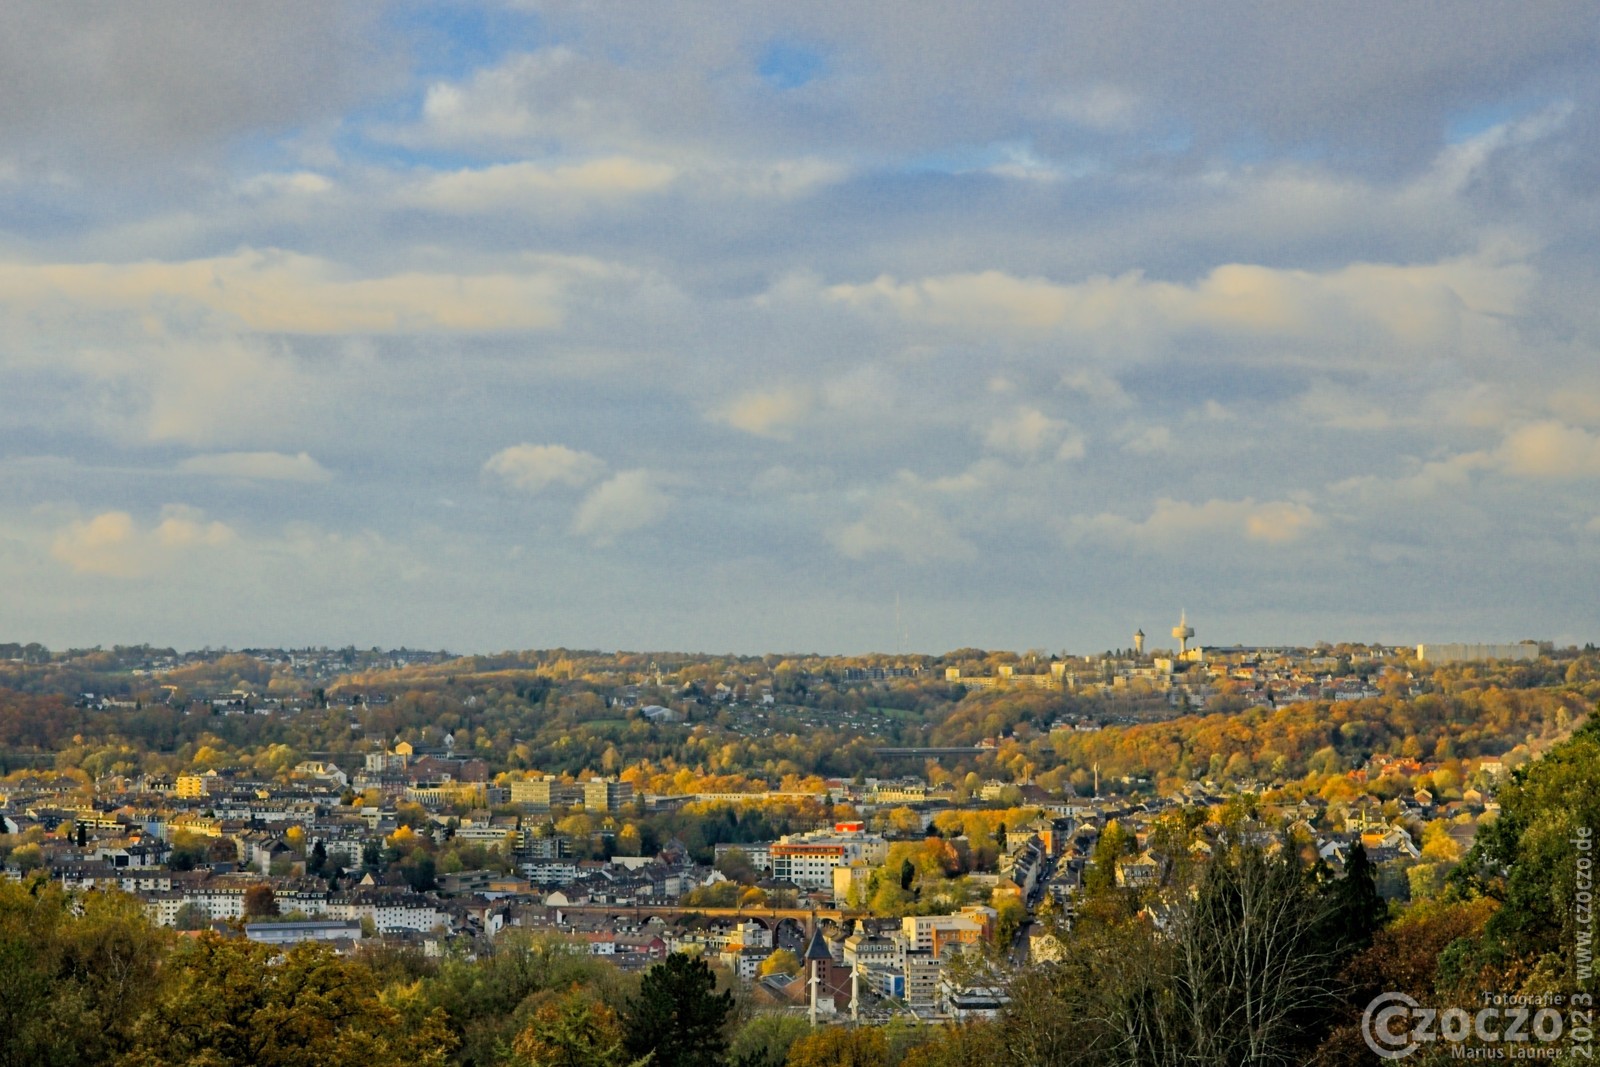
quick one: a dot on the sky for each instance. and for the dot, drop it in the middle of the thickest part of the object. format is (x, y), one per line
(833, 327)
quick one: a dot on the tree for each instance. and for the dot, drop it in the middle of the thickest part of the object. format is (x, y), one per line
(72, 986)
(1011, 914)
(1528, 860)
(235, 1003)
(840, 1046)
(961, 1046)
(259, 901)
(765, 1040)
(678, 1018)
(782, 961)
(1253, 968)
(1358, 910)
(573, 1031)
(319, 858)
(735, 863)
(1112, 846)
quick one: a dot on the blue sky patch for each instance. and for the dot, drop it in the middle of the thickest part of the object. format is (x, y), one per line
(789, 65)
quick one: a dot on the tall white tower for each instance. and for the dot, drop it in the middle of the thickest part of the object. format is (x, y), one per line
(1182, 632)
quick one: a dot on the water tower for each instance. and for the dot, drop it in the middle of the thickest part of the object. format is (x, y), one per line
(1138, 642)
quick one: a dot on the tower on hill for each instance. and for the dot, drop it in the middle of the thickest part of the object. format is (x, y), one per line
(1182, 632)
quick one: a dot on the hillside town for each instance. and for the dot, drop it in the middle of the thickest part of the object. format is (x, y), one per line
(323, 850)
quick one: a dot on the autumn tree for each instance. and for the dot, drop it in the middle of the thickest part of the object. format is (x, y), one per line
(782, 961)
(574, 1030)
(72, 986)
(260, 901)
(235, 1003)
(840, 1046)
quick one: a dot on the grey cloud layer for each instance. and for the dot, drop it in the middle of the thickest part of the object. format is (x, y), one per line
(1045, 319)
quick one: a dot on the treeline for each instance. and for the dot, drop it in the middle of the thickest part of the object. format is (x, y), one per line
(88, 981)
(551, 716)
(1323, 738)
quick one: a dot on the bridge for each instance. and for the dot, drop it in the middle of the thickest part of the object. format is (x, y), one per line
(937, 751)
(768, 917)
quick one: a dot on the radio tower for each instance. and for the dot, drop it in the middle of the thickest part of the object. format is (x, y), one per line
(1182, 632)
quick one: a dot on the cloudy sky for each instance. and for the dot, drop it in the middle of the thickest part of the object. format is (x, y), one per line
(714, 326)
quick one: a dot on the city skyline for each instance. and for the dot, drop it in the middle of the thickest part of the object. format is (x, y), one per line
(517, 325)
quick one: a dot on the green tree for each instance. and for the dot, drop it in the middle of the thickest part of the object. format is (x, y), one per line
(678, 1016)
(764, 1040)
(1527, 860)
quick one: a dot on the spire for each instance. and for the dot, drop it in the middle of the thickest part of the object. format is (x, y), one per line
(817, 947)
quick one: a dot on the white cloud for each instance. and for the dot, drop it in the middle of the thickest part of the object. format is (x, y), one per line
(1026, 432)
(1544, 451)
(195, 390)
(1173, 523)
(288, 292)
(900, 526)
(533, 468)
(1550, 450)
(300, 183)
(1100, 107)
(627, 501)
(1098, 386)
(1413, 305)
(113, 544)
(258, 466)
(1430, 478)
(769, 413)
(509, 186)
(1147, 440)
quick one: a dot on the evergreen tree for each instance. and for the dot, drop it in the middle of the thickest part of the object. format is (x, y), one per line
(678, 1016)
(1358, 910)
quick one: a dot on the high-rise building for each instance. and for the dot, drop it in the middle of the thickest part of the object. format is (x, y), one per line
(606, 794)
(542, 794)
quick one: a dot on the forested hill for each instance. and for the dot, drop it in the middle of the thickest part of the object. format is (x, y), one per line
(759, 722)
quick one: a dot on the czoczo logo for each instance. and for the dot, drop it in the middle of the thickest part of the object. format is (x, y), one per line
(1377, 1026)
(1512, 1019)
